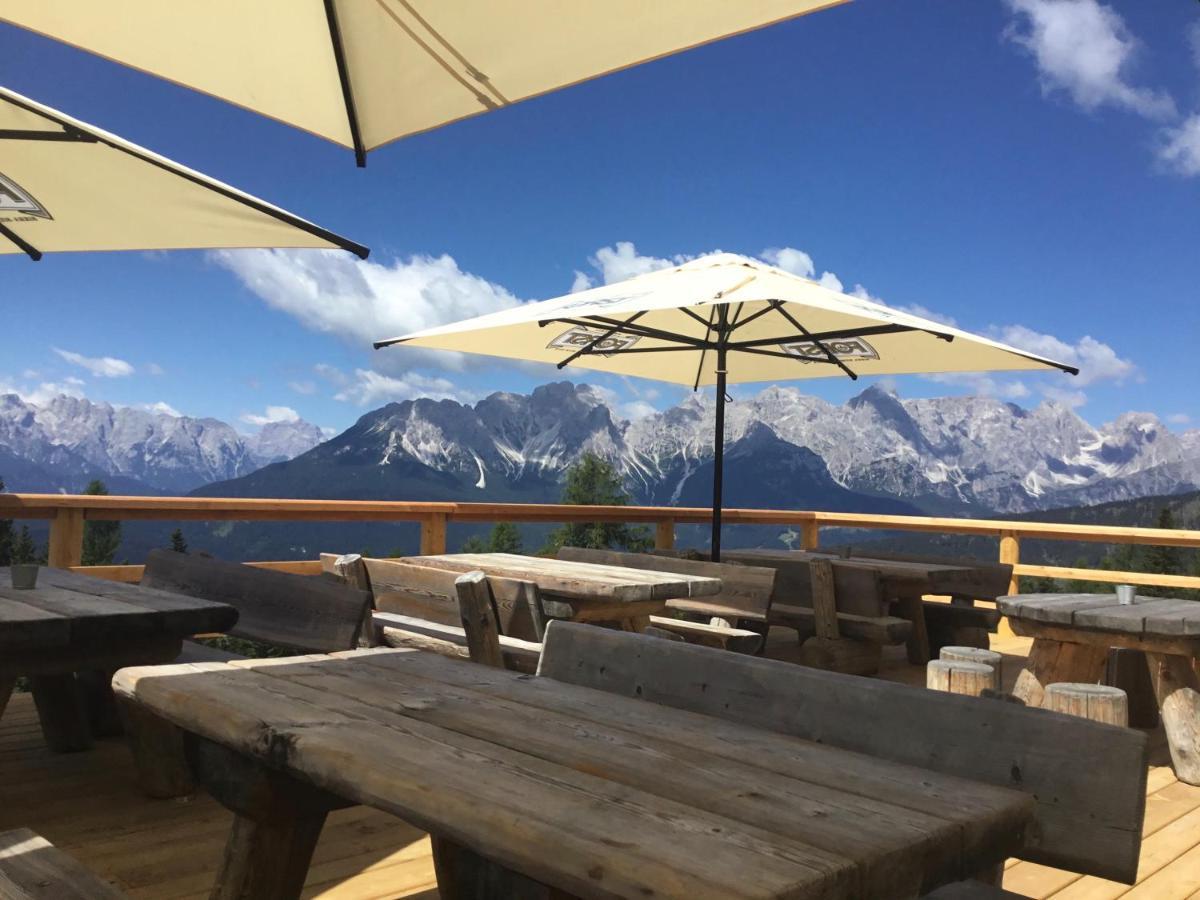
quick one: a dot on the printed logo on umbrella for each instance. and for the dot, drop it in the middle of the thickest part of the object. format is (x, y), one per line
(846, 348)
(15, 199)
(579, 337)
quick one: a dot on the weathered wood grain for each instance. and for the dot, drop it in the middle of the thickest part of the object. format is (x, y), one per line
(737, 640)
(277, 607)
(879, 629)
(958, 677)
(1053, 757)
(1097, 702)
(1177, 687)
(744, 589)
(607, 838)
(479, 619)
(31, 867)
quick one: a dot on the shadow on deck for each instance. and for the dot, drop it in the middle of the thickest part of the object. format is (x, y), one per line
(89, 805)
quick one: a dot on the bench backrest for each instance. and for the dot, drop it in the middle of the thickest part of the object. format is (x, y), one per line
(746, 590)
(857, 591)
(312, 614)
(1089, 779)
(425, 592)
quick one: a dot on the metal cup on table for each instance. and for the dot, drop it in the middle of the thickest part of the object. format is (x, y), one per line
(24, 576)
(1126, 594)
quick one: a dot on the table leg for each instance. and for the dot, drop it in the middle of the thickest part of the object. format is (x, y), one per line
(277, 822)
(912, 608)
(96, 687)
(462, 874)
(61, 712)
(7, 683)
(157, 749)
(635, 623)
(1052, 662)
(1177, 688)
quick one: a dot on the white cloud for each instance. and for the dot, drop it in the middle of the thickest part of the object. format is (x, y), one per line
(271, 415)
(100, 366)
(162, 407)
(303, 387)
(155, 369)
(1179, 418)
(1084, 49)
(332, 374)
(800, 263)
(1095, 360)
(369, 388)
(363, 301)
(638, 407)
(622, 261)
(43, 392)
(983, 384)
(790, 260)
(1065, 396)
(582, 282)
(1180, 146)
(916, 309)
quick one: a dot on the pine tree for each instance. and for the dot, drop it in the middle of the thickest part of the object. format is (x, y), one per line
(6, 537)
(505, 538)
(1162, 560)
(178, 544)
(474, 544)
(24, 550)
(592, 480)
(100, 539)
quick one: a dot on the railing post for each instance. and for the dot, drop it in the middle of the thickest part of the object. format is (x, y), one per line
(1010, 555)
(66, 539)
(664, 534)
(433, 534)
(810, 534)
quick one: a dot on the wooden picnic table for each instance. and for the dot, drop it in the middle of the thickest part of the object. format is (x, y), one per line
(1073, 633)
(73, 623)
(538, 780)
(585, 592)
(905, 583)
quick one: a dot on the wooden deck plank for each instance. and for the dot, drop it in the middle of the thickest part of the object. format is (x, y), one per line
(118, 824)
(363, 853)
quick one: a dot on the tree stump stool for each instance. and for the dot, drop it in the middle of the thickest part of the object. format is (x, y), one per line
(955, 677)
(1097, 702)
(975, 655)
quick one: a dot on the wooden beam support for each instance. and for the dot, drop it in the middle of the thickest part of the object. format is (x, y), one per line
(66, 539)
(810, 534)
(433, 534)
(1010, 555)
(664, 534)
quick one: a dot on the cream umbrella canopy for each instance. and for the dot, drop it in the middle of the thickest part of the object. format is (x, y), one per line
(67, 185)
(724, 319)
(363, 73)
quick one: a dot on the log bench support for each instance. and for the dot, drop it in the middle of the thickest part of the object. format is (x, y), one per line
(277, 822)
(1177, 688)
(462, 874)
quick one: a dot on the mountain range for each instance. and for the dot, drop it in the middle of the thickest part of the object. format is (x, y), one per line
(876, 452)
(64, 443)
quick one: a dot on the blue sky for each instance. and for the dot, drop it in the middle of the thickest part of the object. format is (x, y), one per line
(1029, 168)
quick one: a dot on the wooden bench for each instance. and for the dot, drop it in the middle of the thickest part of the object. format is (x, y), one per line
(1088, 780)
(420, 607)
(313, 615)
(960, 621)
(728, 619)
(31, 867)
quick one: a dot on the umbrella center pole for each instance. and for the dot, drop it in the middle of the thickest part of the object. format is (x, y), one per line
(718, 454)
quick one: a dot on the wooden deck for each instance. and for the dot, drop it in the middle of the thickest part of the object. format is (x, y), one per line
(88, 804)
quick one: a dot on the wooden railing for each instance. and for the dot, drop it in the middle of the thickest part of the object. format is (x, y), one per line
(67, 513)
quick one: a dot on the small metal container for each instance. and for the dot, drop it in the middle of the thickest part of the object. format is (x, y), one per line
(1126, 594)
(24, 576)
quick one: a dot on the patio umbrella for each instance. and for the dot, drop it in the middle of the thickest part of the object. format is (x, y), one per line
(363, 73)
(723, 319)
(67, 185)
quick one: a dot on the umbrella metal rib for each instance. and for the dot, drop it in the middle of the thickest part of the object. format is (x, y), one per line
(343, 70)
